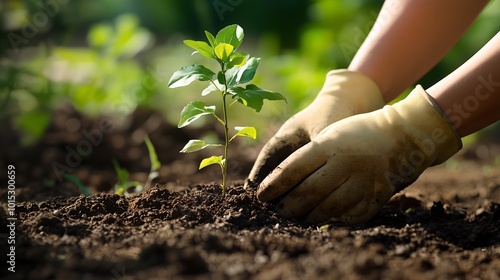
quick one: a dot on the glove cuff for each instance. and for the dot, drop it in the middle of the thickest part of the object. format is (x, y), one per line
(359, 90)
(435, 131)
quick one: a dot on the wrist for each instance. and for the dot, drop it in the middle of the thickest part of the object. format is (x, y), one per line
(427, 126)
(356, 89)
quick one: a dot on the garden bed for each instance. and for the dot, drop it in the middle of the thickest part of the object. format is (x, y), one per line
(444, 226)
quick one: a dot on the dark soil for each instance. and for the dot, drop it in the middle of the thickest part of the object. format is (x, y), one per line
(445, 226)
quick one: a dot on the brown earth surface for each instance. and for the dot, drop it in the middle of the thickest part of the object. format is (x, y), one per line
(445, 226)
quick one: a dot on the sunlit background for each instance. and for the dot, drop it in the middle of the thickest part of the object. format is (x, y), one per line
(114, 58)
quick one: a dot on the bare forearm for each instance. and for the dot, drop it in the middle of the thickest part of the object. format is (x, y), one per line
(409, 38)
(470, 96)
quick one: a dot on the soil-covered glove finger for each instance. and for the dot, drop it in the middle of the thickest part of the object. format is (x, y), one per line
(362, 211)
(356, 201)
(311, 191)
(291, 172)
(339, 201)
(277, 149)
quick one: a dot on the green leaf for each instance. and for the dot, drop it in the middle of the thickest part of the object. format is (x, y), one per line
(122, 173)
(123, 189)
(211, 88)
(324, 227)
(243, 74)
(196, 145)
(128, 38)
(34, 122)
(188, 74)
(211, 38)
(232, 34)
(245, 131)
(73, 179)
(202, 47)
(119, 190)
(252, 96)
(223, 51)
(99, 35)
(193, 146)
(211, 160)
(155, 163)
(237, 59)
(123, 183)
(193, 111)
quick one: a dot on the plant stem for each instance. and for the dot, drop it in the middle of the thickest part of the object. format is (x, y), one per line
(147, 185)
(226, 131)
(226, 144)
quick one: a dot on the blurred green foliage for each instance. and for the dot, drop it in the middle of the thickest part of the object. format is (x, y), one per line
(110, 57)
(98, 78)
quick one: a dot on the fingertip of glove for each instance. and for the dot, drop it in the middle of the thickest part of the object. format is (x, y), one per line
(285, 212)
(266, 193)
(262, 194)
(249, 183)
(314, 219)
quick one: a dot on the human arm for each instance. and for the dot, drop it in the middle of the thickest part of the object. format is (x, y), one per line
(470, 95)
(409, 38)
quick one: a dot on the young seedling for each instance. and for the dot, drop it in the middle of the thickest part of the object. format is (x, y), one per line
(124, 185)
(73, 179)
(236, 69)
(155, 163)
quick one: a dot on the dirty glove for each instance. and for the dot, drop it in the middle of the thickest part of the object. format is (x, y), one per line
(354, 166)
(344, 93)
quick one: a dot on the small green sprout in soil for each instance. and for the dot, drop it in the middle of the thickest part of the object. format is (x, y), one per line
(124, 186)
(236, 69)
(73, 179)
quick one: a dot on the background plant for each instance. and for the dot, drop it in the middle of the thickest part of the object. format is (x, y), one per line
(99, 77)
(124, 185)
(236, 68)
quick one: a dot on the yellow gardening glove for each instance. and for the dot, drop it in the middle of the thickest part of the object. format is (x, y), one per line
(344, 93)
(354, 166)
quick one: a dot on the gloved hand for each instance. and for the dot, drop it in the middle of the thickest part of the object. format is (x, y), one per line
(354, 166)
(344, 93)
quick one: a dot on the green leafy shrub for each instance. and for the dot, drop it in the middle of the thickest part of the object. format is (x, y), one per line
(236, 69)
(98, 78)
